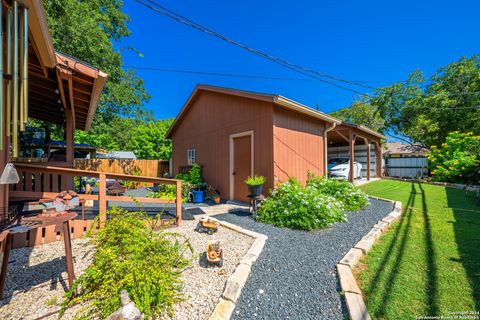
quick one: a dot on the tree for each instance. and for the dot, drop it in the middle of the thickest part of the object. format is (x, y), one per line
(426, 110)
(87, 30)
(114, 135)
(363, 113)
(457, 159)
(149, 140)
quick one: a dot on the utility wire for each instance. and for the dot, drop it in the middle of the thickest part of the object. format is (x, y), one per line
(297, 68)
(219, 74)
(443, 108)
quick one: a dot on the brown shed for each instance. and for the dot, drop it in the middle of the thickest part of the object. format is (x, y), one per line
(233, 134)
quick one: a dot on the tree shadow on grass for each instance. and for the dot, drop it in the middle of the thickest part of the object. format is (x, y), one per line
(431, 289)
(393, 256)
(467, 236)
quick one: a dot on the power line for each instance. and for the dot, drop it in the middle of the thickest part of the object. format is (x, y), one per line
(219, 74)
(443, 108)
(295, 67)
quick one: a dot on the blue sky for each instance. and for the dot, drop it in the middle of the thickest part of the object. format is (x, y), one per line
(376, 41)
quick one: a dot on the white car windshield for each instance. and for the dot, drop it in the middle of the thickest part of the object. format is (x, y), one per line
(338, 161)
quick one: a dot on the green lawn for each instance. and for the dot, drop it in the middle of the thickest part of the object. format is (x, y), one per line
(429, 262)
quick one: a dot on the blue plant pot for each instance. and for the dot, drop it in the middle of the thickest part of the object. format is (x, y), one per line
(198, 196)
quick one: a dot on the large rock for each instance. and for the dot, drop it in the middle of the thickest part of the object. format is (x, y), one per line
(128, 311)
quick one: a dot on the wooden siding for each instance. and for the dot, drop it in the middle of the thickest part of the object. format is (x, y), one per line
(298, 145)
(207, 127)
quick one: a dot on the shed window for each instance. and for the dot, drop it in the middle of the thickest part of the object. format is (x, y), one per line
(191, 155)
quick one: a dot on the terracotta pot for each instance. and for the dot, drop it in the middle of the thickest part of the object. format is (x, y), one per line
(217, 200)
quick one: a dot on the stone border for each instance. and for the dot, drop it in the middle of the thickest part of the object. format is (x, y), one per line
(235, 283)
(353, 295)
(460, 186)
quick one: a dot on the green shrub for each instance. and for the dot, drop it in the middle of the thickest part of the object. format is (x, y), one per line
(133, 257)
(456, 160)
(255, 180)
(169, 191)
(195, 175)
(293, 206)
(352, 197)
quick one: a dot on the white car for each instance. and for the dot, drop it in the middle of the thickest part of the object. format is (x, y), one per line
(340, 168)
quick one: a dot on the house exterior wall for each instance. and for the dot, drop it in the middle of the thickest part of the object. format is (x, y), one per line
(207, 126)
(298, 145)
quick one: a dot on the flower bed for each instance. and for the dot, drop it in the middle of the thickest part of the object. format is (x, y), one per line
(319, 204)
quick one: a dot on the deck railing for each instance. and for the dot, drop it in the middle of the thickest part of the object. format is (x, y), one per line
(43, 181)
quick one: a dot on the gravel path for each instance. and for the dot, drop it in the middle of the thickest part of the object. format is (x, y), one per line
(203, 284)
(36, 281)
(295, 275)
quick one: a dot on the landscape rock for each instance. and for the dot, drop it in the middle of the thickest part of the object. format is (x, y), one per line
(128, 311)
(235, 283)
(347, 280)
(356, 306)
(365, 244)
(352, 257)
(223, 310)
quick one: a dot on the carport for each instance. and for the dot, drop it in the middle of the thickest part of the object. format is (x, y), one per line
(347, 139)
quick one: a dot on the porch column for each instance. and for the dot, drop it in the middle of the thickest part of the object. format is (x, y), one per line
(351, 142)
(69, 152)
(69, 130)
(378, 152)
(367, 145)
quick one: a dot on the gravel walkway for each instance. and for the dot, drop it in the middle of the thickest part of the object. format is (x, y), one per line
(203, 284)
(36, 281)
(295, 275)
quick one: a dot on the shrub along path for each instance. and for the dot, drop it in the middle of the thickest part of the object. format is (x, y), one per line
(295, 275)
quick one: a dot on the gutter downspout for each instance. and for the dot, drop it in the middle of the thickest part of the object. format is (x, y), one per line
(325, 146)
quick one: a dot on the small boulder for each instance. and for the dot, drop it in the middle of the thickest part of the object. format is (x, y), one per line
(128, 311)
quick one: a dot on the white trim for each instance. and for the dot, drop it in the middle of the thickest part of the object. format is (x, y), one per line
(252, 152)
(191, 160)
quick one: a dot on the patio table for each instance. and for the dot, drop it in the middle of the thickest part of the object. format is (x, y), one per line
(27, 223)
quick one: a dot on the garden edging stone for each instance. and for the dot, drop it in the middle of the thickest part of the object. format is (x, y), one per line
(236, 282)
(356, 307)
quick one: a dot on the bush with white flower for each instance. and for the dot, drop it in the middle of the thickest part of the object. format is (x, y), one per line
(352, 197)
(294, 206)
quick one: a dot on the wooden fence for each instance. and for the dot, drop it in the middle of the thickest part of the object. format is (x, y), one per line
(147, 168)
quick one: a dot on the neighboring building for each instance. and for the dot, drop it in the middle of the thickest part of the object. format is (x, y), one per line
(121, 155)
(403, 150)
(234, 134)
(405, 160)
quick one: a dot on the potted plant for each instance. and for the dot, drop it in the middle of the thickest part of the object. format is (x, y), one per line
(255, 185)
(214, 194)
(196, 179)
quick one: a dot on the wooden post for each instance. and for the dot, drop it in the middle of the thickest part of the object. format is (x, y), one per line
(378, 152)
(67, 180)
(69, 130)
(367, 144)
(178, 202)
(7, 240)
(68, 253)
(351, 142)
(102, 198)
